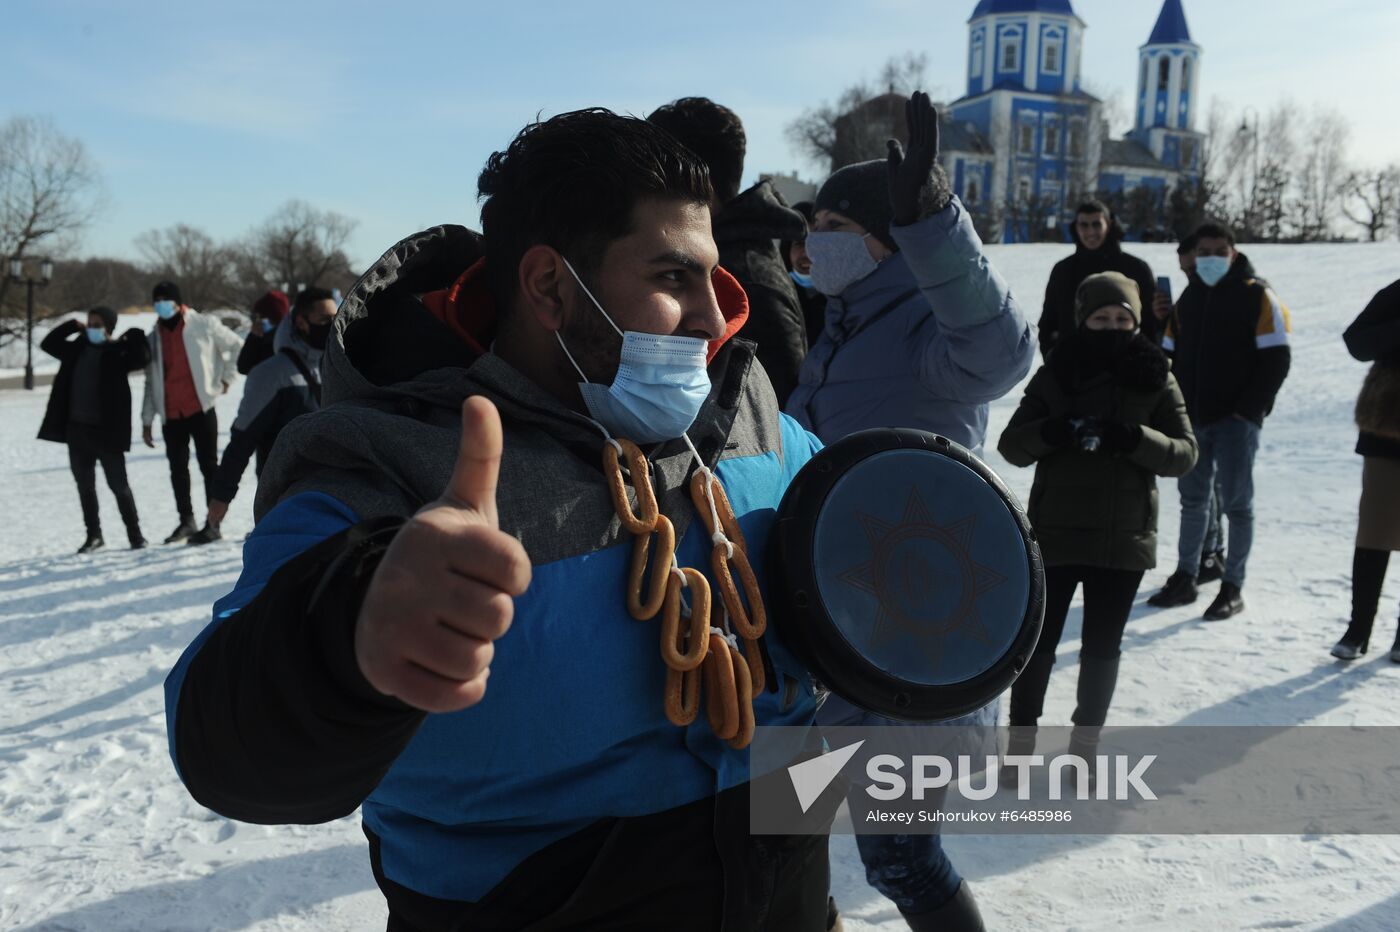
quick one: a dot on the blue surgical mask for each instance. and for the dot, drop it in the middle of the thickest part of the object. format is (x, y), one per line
(839, 260)
(803, 281)
(96, 336)
(1212, 269)
(165, 309)
(660, 386)
(268, 326)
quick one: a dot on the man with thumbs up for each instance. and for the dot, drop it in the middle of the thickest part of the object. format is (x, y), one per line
(431, 623)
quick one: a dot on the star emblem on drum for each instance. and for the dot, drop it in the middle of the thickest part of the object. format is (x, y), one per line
(923, 578)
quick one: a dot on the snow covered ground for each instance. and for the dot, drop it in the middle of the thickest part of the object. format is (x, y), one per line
(97, 834)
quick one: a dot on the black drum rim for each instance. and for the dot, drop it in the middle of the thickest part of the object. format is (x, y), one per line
(815, 639)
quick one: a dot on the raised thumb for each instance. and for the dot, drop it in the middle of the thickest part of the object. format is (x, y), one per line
(473, 482)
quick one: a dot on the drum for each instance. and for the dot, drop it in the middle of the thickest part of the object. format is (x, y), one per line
(906, 575)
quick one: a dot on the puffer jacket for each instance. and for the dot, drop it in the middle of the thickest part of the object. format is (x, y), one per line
(565, 789)
(1374, 337)
(1097, 508)
(926, 341)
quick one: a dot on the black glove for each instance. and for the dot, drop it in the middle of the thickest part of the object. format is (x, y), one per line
(918, 188)
(72, 326)
(1056, 431)
(1120, 436)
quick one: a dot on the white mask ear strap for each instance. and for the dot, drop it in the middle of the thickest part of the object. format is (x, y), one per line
(572, 362)
(570, 267)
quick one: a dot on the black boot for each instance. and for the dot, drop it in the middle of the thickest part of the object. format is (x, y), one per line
(126, 504)
(960, 914)
(1212, 566)
(182, 531)
(1227, 604)
(94, 542)
(1180, 589)
(205, 535)
(1354, 643)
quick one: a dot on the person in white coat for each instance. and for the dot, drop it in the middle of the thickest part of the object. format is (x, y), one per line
(193, 361)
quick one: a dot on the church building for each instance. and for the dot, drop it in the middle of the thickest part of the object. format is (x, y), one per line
(1026, 143)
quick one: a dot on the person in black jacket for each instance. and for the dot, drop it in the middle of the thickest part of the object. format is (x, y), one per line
(1229, 344)
(746, 228)
(1375, 337)
(1097, 238)
(799, 266)
(282, 387)
(90, 410)
(268, 312)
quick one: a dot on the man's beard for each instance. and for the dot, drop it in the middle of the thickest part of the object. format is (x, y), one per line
(595, 345)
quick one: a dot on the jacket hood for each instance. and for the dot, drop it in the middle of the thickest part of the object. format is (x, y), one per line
(423, 314)
(287, 336)
(758, 214)
(1141, 366)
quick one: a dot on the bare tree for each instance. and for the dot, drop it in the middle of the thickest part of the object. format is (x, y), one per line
(854, 128)
(1263, 156)
(1372, 199)
(298, 245)
(1321, 177)
(188, 256)
(1201, 196)
(49, 190)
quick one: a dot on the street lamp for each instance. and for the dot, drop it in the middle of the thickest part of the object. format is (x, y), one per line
(16, 274)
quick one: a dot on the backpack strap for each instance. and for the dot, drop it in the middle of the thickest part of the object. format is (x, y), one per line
(312, 382)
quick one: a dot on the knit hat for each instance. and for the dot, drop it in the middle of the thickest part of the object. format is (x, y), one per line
(861, 192)
(1103, 289)
(166, 291)
(273, 306)
(109, 316)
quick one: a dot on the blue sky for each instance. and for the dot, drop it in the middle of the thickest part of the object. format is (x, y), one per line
(215, 113)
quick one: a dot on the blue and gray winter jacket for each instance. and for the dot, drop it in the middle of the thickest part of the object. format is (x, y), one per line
(925, 341)
(566, 782)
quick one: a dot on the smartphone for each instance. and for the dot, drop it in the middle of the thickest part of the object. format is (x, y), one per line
(1164, 286)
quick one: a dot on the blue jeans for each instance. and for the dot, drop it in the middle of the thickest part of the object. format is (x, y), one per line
(912, 871)
(1215, 537)
(1227, 462)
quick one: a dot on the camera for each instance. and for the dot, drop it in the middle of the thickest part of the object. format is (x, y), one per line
(1088, 434)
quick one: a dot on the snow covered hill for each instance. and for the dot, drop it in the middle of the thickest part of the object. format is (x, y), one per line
(96, 832)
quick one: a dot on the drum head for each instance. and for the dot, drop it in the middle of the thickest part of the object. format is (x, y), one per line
(906, 575)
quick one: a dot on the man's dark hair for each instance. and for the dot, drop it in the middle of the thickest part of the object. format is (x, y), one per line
(711, 131)
(166, 291)
(1094, 206)
(573, 182)
(309, 296)
(1187, 244)
(1213, 230)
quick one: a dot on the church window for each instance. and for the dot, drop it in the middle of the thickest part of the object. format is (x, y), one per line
(1164, 69)
(1011, 52)
(1186, 75)
(1052, 139)
(1188, 153)
(971, 193)
(1027, 144)
(1076, 140)
(977, 55)
(1143, 82)
(1051, 65)
(1023, 190)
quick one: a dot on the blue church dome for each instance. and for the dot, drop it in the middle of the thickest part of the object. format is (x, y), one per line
(1171, 25)
(989, 7)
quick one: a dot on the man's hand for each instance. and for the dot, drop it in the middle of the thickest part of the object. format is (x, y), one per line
(217, 511)
(1161, 305)
(226, 388)
(147, 436)
(909, 173)
(444, 590)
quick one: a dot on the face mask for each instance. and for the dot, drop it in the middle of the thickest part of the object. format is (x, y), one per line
(660, 386)
(317, 334)
(268, 326)
(803, 281)
(839, 260)
(96, 335)
(165, 310)
(1212, 269)
(1104, 344)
